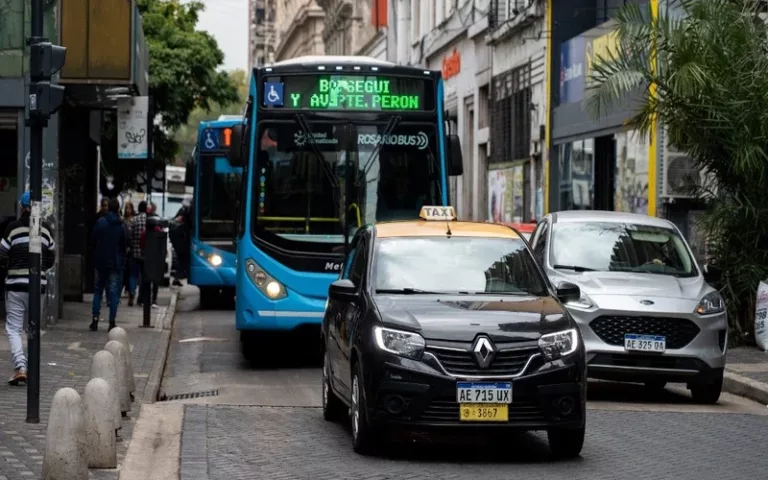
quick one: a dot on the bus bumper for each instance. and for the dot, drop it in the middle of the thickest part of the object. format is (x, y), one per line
(255, 312)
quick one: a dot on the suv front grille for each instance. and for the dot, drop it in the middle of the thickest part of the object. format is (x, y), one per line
(679, 332)
(509, 362)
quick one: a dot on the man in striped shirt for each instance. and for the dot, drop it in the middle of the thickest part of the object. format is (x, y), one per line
(14, 249)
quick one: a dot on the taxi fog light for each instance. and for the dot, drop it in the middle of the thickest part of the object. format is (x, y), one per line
(398, 342)
(267, 285)
(215, 260)
(559, 344)
(711, 303)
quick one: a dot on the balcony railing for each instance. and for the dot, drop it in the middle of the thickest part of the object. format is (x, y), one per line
(502, 11)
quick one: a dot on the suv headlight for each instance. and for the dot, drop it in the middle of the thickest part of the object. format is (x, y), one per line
(583, 302)
(559, 344)
(405, 344)
(710, 304)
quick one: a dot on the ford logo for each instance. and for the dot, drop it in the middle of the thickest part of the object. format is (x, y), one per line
(646, 302)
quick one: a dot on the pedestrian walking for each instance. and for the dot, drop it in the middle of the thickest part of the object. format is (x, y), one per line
(180, 238)
(152, 286)
(138, 226)
(109, 243)
(14, 250)
(128, 216)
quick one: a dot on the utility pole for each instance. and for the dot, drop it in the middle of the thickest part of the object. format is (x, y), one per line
(146, 286)
(45, 60)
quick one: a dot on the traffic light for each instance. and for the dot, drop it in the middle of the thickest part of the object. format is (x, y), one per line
(45, 61)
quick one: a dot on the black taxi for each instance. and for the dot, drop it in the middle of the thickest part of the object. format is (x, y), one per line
(438, 323)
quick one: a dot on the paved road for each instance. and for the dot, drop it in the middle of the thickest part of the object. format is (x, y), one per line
(248, 422)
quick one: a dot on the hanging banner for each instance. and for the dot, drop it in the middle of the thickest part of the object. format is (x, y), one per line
(132, 126)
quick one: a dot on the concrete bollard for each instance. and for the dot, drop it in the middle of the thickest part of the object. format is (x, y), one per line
(188, 299)
(100, 447)
(65, 439)
(104, 366)
(119, 334)
(117, 350)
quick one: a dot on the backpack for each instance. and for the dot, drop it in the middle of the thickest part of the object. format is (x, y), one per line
(143, 237)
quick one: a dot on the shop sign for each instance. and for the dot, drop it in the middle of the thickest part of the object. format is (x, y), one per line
(451, 64)
(605, 47)
(572, 71)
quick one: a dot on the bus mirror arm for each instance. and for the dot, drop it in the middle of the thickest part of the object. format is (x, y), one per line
(455, 158)
(236, 151)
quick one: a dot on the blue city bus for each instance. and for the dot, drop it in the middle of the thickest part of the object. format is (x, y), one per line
(328, 144)
(217, 188)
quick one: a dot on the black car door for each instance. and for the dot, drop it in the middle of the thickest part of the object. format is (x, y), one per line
(351, 313)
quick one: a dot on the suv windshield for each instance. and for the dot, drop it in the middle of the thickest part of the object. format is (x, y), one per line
(620, 247)
(298, 198)
(456, 264)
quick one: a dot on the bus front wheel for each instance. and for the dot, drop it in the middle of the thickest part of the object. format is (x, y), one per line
(252, 346)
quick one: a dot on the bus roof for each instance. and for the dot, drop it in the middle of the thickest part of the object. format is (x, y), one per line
(314, 60)
(220, 123)
(343, 64)
(423, 228)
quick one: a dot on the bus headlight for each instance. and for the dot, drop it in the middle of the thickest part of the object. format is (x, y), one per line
(215, 260)
(267, 285)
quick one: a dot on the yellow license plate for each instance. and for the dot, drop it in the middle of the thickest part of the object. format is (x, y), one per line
(483, 412)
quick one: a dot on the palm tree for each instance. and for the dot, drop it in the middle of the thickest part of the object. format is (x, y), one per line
(702, 71)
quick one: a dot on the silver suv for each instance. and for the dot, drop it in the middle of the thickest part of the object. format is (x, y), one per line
(646, 310)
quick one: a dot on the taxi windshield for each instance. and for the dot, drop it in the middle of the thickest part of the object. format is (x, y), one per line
(469, 265)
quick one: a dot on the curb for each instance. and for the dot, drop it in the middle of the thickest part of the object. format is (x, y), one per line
(745, 387)
(152, 389)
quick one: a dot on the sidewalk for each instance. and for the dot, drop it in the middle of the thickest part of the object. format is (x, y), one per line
(66, 353)
(746, 373)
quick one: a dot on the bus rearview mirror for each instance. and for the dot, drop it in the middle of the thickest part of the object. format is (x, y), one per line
(236, 149)
(455, 158)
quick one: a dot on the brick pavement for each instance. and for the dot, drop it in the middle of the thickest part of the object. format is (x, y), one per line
(66, 353)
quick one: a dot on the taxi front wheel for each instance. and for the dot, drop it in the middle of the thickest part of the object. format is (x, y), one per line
(333, 408)
(566, 442)
(364, 439)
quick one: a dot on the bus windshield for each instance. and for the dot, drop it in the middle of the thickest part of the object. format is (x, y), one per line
(218, 192)
(365, 175)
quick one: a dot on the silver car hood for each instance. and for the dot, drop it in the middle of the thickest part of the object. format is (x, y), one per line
(634, 284)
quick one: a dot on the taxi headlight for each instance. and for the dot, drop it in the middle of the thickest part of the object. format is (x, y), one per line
(559, 344)
(267, 285)
(215, 260)
(398, 342)
(711, 303)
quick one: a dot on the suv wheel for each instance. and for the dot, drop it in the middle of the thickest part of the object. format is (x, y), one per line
(708, 392)
(363, 434)
(566, 442)
(333, 408)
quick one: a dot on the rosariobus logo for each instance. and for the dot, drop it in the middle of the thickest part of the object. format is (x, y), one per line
(419, 140)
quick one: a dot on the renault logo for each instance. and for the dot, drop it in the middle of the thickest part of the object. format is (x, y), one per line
(646, 302)
(483, 351)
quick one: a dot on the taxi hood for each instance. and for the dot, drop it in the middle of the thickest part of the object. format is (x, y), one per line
(461, 318)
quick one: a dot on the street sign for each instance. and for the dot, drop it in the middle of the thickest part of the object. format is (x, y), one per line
(132, 139)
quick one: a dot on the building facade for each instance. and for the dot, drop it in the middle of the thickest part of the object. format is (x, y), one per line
(262, 35)
(518, 153)
(350, 25)
(299, 29)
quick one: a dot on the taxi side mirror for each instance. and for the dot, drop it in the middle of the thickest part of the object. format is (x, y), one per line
(344, 290)
(236, 149)
(567, 291)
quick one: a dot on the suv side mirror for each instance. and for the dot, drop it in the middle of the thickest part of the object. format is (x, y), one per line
(344, 290)
(236, 149)
(712, 273)
(567, 291)
(455, 157)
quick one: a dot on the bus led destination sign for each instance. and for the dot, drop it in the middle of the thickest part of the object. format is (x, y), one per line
(353, 92)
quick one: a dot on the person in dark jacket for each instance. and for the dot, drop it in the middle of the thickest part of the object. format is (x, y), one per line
(110, 244)
(180, 238)
(14, 250)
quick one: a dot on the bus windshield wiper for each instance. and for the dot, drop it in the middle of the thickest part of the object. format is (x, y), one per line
(575, 268)
(391, 124)
(404, 291)
(307, 131)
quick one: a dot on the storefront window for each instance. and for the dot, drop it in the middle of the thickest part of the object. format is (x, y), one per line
(631, 173)
(576, 164)
(505, 193)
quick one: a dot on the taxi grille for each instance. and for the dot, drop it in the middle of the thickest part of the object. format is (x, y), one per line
(679, 332)
(447, 410)
(510, 362)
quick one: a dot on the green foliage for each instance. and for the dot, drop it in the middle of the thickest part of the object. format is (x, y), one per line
(186, 135)
(709, 89)
(183, 68)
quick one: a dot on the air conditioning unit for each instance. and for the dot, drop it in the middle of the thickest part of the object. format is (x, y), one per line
(680, 173)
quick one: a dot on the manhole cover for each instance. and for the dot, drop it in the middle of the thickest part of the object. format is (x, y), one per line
(187, 396)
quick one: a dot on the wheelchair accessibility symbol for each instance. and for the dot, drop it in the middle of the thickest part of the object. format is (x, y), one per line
(273, 94)
(210, 140)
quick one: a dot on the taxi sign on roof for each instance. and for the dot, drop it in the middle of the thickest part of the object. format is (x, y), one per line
(437, 213)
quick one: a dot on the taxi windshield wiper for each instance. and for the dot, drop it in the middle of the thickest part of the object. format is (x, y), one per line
(403, 291)
(575, 268)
